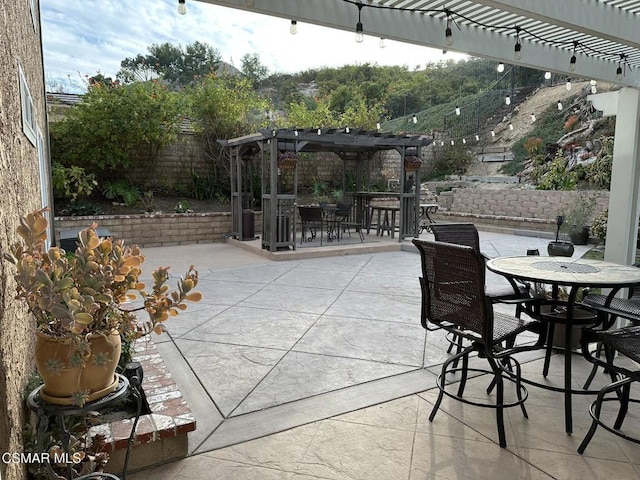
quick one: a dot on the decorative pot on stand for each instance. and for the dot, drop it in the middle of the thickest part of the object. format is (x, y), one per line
(69, 378)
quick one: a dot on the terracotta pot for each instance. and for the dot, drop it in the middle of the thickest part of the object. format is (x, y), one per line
(63, 379)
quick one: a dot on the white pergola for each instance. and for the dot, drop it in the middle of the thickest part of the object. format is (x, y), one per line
(603, 35)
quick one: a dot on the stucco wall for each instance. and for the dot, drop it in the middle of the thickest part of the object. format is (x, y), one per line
(20, 187)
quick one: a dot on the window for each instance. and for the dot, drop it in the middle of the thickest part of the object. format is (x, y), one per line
(28, 112)
(44, 180)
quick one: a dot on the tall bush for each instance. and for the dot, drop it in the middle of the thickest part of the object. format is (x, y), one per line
(115, 126)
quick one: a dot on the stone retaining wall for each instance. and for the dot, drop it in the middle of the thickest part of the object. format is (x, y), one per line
(158, 230)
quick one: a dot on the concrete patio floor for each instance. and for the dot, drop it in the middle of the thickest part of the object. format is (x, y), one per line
(318, 368)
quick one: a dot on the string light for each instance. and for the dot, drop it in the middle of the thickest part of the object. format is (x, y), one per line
(182, 7)
(452, 143)
(442, 144)
(621, 67)
(568, 85)
(457, 110)
(500, 67)
(493, 133)
(517, 49)
(560, 107)
(448, 34)
(295, 132)
(533, 118)
(510, 126)
(464, 141)
(293, 29)
(319, 131)
(382, 43)
(359, 29)
(507, 100)
(378, 126)
(477, 137)
(414, 119)
(346, 129)
(572, 61)
(559, 42)
(593, 87)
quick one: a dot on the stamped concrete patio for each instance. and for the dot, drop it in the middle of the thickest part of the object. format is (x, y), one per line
(318, 368)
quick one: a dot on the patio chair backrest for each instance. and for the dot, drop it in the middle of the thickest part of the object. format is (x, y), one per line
(343, 210)
(453, 288)
(310, 214)
(460, 233)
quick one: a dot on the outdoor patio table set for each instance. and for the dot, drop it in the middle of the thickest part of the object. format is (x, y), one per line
(450, 293)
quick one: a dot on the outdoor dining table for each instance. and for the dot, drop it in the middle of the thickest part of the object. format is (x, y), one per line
(574, 274)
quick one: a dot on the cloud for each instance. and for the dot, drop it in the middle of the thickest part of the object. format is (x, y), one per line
(83, 37)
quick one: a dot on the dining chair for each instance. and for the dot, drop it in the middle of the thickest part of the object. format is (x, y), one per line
(454, 299)
(311, 218)
(345, 221)
(467, 234)
(608, 311)
(620, 345)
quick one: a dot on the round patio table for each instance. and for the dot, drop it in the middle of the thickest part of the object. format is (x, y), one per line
(572, 273)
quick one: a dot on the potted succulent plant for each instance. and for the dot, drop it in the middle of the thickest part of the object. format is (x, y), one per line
(82, 303)
(578, 217)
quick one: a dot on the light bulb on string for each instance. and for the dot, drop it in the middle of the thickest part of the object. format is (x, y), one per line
(560, 107)
(448, 34)
(359, 28)
(457, 110)
(319, 131)
(464, 140)
(493, 133)
(382, 43)
(507, 100)
(517, 49)
(414, 119)
(293, 29)
(511, 126)
(378, 126)
(477, 137)
(547, 75)
(295, 132)
(346, 130)
(533, 118)
(568, 85)
(182, 7)
(500, 67)
(572, 61)
(452, 143)
(442, 144)
(593, 87)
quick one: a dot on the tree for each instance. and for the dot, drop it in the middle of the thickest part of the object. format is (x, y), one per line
(177, 66)
(224, 107)
(254, 69)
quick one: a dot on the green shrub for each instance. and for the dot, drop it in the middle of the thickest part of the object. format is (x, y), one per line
(71, 182)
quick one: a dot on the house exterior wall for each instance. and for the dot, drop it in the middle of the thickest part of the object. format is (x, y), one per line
(21, 193)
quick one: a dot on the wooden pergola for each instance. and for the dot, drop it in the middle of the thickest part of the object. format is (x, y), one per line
(278, 208)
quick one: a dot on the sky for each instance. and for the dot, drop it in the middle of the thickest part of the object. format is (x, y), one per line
(82, 38)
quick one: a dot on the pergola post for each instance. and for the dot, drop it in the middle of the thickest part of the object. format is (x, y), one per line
(622, 225)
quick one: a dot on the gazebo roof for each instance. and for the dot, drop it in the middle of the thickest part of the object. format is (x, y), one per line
(337, 140)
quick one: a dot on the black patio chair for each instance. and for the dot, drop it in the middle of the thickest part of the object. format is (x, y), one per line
(454, 299)
(311, 218)
(626, 343)
(467, 234)
(609, 308)
(345, 222)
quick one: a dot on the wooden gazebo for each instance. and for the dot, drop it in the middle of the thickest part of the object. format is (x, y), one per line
(278, 208)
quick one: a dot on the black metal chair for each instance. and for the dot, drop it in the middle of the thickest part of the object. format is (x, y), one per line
(454, 299)
(311, 218)
(626, 342)
(609, 308)
(345, 222)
